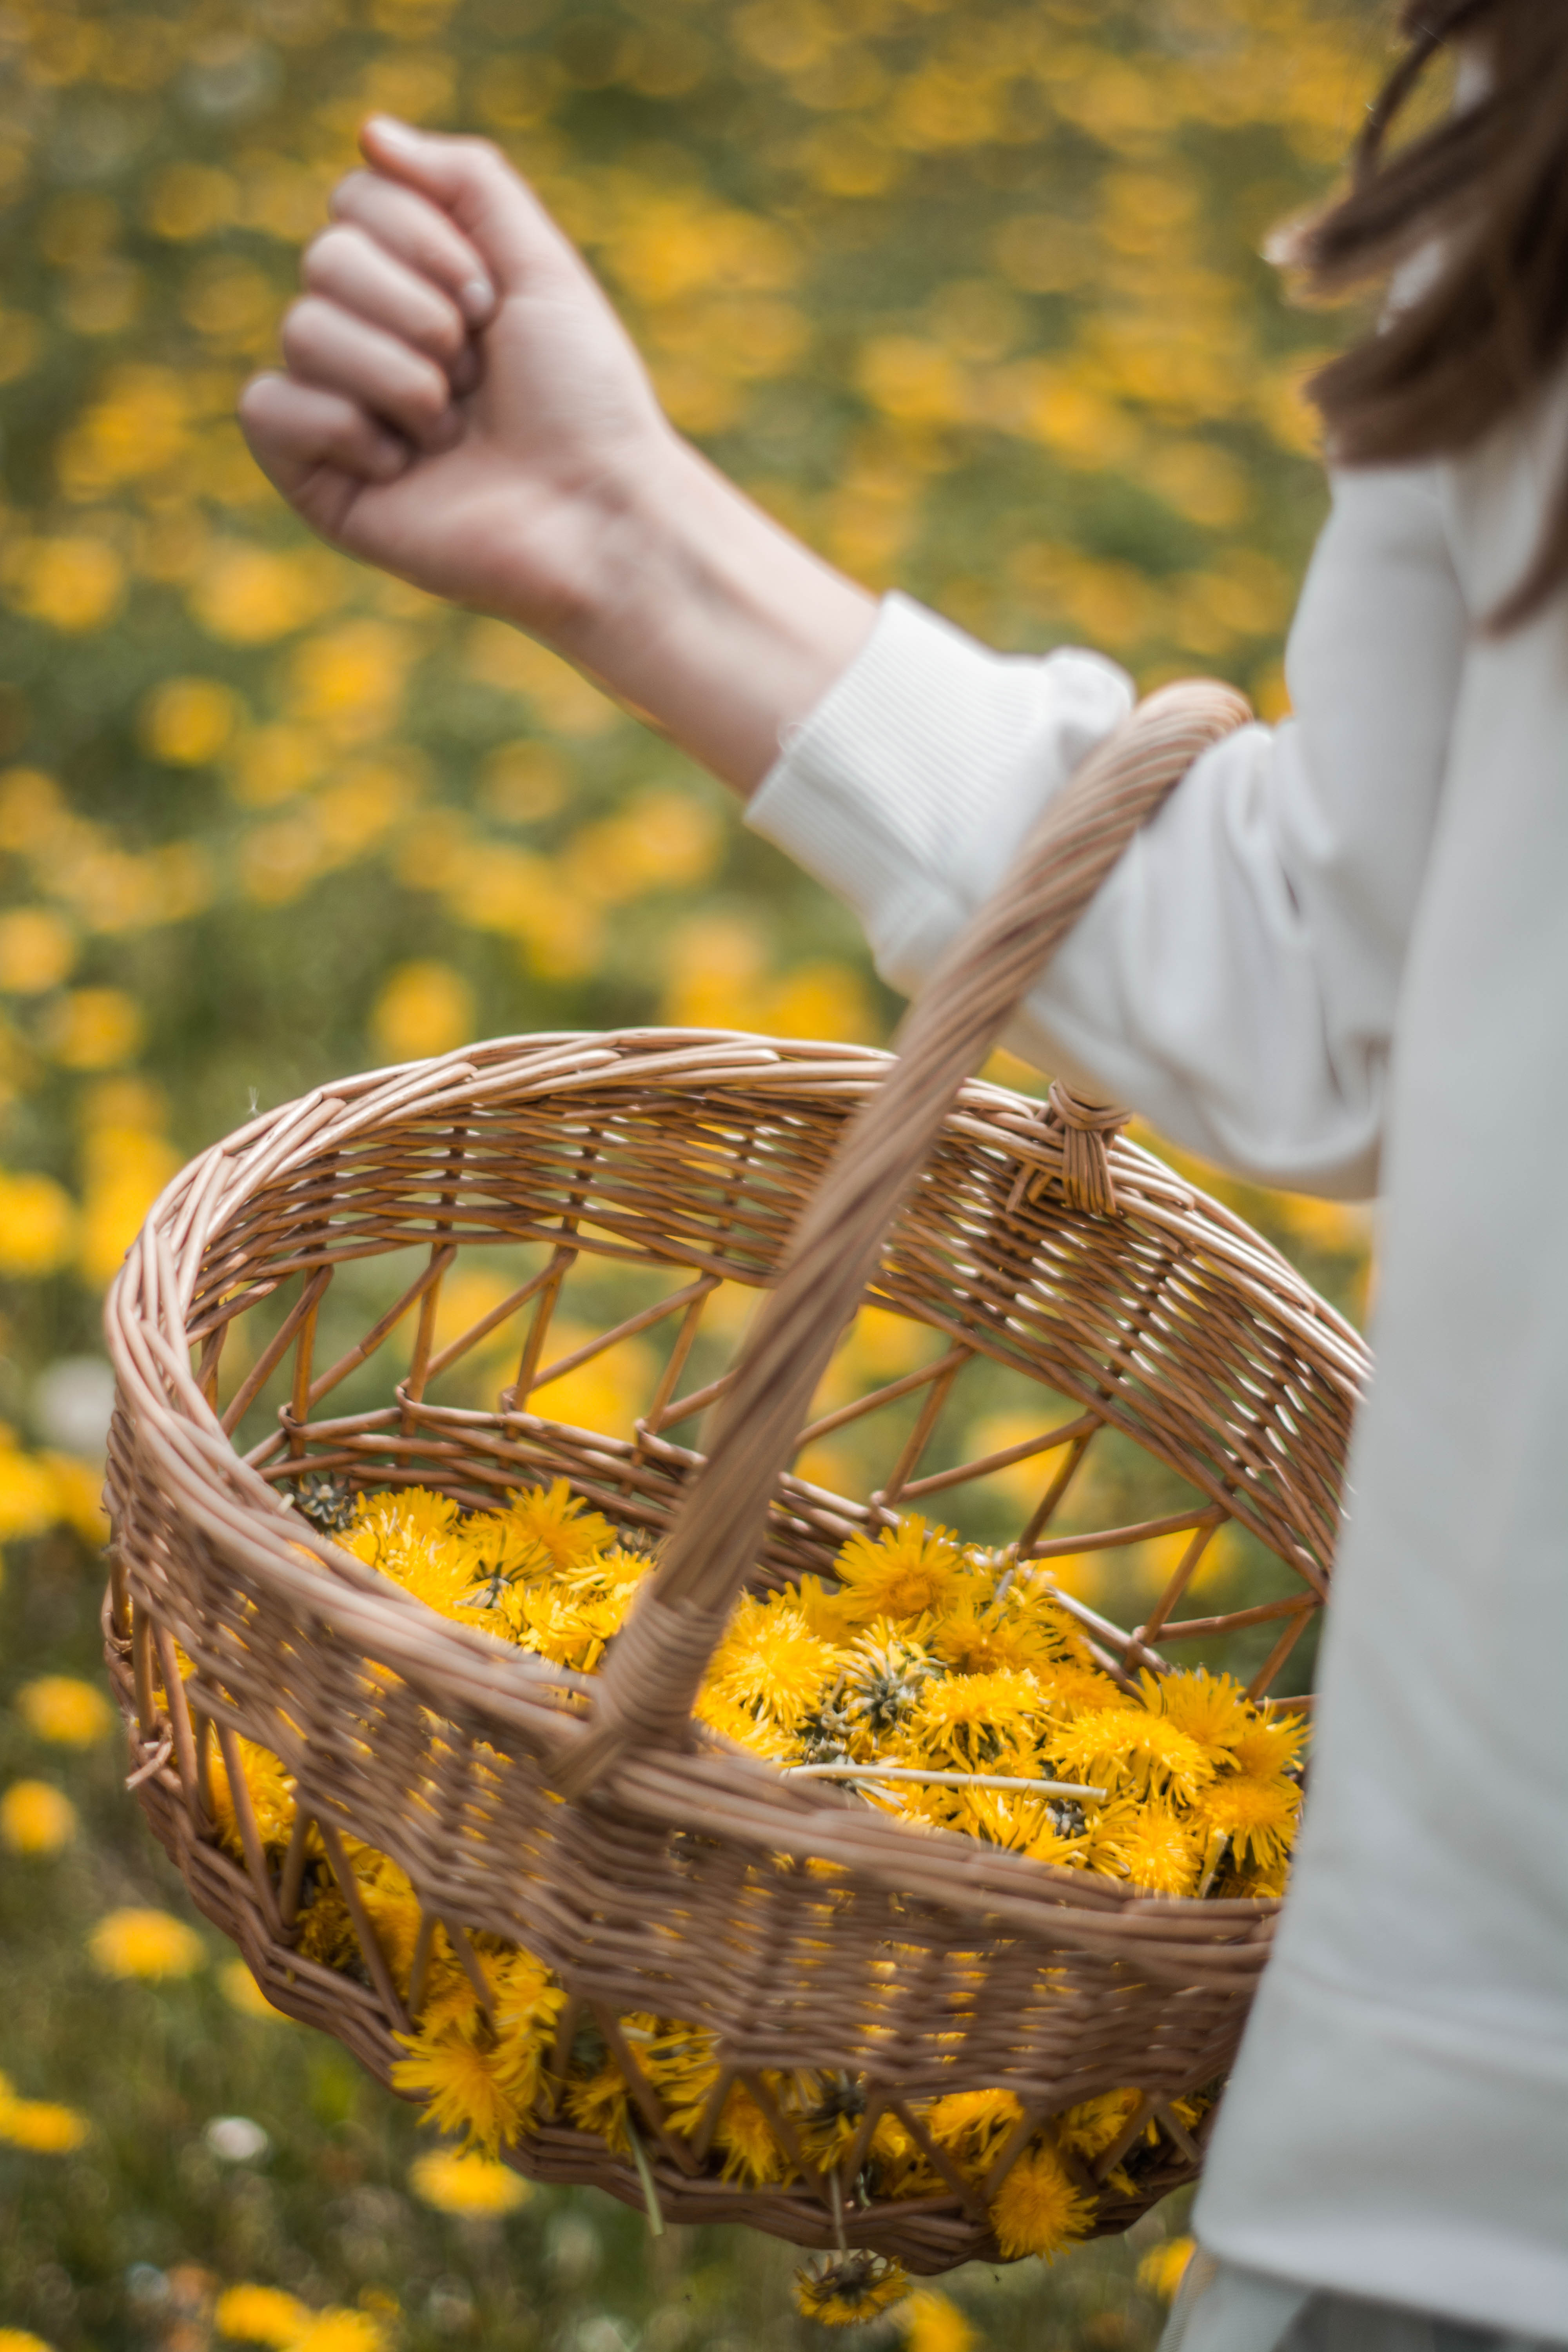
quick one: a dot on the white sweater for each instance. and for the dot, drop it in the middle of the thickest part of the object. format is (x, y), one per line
(1337, 961)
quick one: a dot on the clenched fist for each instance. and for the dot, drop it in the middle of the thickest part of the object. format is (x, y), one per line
(461, 406)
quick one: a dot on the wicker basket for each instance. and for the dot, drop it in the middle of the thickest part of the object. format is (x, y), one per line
(674, 1877)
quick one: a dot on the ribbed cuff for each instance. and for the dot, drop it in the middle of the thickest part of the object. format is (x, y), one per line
(909, 787)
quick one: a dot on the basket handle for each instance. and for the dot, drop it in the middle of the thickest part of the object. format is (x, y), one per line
(656, 1665)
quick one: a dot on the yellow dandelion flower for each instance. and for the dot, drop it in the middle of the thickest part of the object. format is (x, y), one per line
(902, 1573)
(933, 2323)
(682, 2064)
(61, 1709)
(552, 1624)
(843, 2290)
(770, 1661)
(1164, 2268)
(1039, 2209)
(42, 2127)
(1158, 1851)
(326, 1933)
(971, 1722)
(884, 1673)
(971, 2124)
(37, 1818)
(462, 2086)
(341, 2330)
(559, 1524)
(467, 2185)
(976, 1639)
(825, 1610)
(1258, 1816)
(19, 2339)
(1213, 1708)
(763, 1737)
(1089, 2128)
(272, 1796)
(599, 2106)
(1143, 1753)
(394, 1913)
(529, 2003)
(745, 2138)
(1269, 1745)
(262, 2315)
(138, 1942)
(1252, 1884)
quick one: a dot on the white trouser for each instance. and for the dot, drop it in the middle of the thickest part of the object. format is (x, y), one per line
(1223, 2309)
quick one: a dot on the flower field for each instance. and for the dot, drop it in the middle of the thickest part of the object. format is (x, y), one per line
(971, 295)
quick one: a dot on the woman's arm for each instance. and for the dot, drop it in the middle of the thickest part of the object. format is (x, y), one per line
(461, 406)
(1237, 977)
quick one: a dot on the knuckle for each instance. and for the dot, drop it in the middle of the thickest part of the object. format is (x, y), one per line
(427, 394)
(303, 326)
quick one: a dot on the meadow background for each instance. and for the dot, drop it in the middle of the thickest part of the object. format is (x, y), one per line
(972, 297)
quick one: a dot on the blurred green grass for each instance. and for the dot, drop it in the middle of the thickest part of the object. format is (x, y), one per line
(970, 295)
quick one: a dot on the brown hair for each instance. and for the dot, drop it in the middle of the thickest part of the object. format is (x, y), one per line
(1484, 192)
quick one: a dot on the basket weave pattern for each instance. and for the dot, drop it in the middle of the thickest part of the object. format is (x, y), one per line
(805, 1930)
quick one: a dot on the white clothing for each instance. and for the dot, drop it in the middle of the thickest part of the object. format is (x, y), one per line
(1221, 2309)
(1337, 960)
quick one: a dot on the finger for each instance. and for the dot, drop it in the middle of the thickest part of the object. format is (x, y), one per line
(352, 270)
(422, 235)
(295, 429)
(473, 183)
(331, 347)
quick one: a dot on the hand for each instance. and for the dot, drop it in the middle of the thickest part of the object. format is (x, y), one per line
(481, 466)
(462, 407)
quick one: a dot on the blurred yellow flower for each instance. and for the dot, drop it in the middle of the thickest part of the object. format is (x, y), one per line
(37, 1818)
(41, 2126)
(138, 427)
(138, 1942)
(17, 2339)
(59, 1707)
(124, 1168)
(522, 783)
(350, 679)
(189, 200)
(79, 1496)
(74, 584)
(94, 1029)
(455, 2183)
(230, 302)
(662, 840)
(911, 379)
(248, 595)
(37, 1224)
(274, 763)
(242, 1993)
(341, 2330)
(21, 340)
(37, 949)
(423, 1009)
(29, 1498)
(262, 2314)
(1162, 2267)
(932, 2323)
(189, 720)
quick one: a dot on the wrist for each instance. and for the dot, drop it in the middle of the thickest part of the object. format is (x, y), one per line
(699, 610)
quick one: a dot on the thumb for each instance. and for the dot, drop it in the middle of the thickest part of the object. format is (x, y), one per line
(474, 183)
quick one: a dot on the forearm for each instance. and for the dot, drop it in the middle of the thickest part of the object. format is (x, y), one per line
(707, 617)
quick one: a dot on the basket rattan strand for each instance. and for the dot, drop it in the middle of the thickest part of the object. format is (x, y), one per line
(676, 1877)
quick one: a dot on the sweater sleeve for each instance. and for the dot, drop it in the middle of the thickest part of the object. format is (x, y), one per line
(1237, 976)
